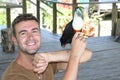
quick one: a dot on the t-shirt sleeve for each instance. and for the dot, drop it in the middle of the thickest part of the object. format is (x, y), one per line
(54, 66)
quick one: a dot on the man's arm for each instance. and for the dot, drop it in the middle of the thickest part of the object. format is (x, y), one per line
(73, 57)
(78, 46)
(61, 57)
(72, 68)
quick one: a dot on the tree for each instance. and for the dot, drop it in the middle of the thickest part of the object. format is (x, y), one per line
(92, 8)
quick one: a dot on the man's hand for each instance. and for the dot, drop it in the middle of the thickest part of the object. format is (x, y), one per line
(78, 44)
(40, 62)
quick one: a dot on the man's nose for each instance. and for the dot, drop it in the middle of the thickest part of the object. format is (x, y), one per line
(30, 36)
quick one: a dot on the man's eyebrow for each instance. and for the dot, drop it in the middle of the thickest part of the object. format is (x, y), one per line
(35, 29)
(26, 30)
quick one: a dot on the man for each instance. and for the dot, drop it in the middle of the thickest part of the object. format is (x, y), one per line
(42, 59)
(26, 35)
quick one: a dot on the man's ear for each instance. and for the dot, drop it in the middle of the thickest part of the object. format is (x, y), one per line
(14, 40)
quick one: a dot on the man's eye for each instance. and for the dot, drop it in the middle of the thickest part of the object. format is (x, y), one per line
(22, 33)
(35, 31)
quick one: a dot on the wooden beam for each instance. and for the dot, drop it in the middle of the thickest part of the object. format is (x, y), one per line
(114, 19)
(8, 17)
(54, 18)
(92, 2)
(59, 2)
(118, 28)
(24, 7)
(74, 6)
(97, 2)
(38, 10)
(10, 6)
(104, 14)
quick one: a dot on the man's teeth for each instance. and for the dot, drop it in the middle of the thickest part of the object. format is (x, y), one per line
(30, 43)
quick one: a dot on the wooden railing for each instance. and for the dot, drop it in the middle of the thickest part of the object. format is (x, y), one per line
(74, 4)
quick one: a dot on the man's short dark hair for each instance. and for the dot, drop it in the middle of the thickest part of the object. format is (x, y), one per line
(22, 17)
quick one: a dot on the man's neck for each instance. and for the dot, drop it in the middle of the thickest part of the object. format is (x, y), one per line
(25, 61)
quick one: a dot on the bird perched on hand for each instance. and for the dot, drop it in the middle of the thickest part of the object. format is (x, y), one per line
(74, 25)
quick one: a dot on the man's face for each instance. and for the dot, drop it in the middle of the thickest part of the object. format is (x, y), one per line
(27, 36)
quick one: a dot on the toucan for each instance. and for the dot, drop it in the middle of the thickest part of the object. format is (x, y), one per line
(73, 26)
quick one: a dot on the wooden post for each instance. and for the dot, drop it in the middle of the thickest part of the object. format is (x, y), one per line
(7, 43)
(117, 36)
(54, 19)
(118, 28)
(38, 10)
(24, 7)
(74, 6)
(8, 17)
(114, 19)
(99, 27)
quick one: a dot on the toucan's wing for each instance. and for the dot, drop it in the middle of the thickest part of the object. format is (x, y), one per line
(67, 34)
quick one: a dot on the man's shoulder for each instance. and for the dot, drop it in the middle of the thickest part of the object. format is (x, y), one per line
(14, 76)
(12, 68)
(15, 72)
(10, 71)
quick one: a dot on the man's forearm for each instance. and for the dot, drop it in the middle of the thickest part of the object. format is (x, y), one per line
(72, 68)
(63, 56)
(59, 56)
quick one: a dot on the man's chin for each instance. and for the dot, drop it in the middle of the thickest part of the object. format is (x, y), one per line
(31, 52)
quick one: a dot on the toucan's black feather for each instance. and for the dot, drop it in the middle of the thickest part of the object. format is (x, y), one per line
(75, 23)
(68, 33)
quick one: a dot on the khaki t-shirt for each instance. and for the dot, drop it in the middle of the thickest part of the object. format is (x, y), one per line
(17, 72)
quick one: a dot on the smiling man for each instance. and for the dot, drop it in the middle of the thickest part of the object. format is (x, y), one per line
(26, 35)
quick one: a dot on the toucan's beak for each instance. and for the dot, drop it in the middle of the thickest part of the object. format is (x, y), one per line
(77, 20)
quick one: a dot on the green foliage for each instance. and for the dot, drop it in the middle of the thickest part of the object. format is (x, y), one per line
(65, 11)
(47, 20)
(3, 19)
